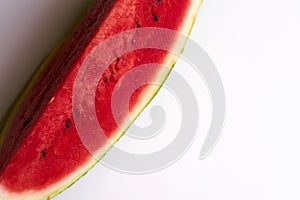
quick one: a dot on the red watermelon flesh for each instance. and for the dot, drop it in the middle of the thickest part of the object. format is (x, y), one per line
(41, 151)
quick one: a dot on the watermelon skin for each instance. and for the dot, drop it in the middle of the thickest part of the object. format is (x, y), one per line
(41, 152)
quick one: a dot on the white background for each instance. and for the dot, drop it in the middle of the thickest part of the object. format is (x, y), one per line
(255, 46)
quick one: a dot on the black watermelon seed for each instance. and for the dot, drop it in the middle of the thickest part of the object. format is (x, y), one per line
(138, 25)
(155, 17)
(43, 153)
(68, 123)
(26, 122)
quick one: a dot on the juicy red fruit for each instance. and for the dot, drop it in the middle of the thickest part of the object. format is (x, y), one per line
(47, 147)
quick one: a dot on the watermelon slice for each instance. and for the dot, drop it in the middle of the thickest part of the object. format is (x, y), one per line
(41, 150)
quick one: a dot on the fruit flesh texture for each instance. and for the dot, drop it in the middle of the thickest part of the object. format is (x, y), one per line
(48, 147)
(45, 82)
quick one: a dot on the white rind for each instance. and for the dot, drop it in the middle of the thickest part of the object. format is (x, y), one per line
(53, 190)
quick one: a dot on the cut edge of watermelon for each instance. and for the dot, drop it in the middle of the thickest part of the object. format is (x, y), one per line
(53, 190)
